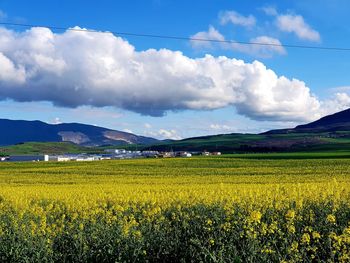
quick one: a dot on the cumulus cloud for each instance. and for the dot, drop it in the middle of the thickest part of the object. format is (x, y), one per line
(74, 69)
(236, 19)
(211, 34)
(296, 24)
(261, 46)
(339, 102)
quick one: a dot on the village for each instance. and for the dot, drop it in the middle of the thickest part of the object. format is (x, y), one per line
(109, 154)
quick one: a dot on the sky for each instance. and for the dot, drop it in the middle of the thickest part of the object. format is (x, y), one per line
(167, 88)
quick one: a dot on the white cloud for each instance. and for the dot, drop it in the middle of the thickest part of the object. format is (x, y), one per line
(296, 24)
(147, 126)
(339, 102)
(261, 46)
(57, 120)
(9, 73)
(221, 127)
(75, 69)
(163, 134)
(266, 93)
(236, 19)
(211, 34)
(293, 24)
(269, 10)
(127, 130)
(345, 89)
(169, 134)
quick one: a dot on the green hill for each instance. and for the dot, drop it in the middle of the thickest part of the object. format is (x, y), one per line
(329, 134)
(33, 148)
(246, 143)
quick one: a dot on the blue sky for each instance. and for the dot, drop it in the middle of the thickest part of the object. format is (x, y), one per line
(165, 109)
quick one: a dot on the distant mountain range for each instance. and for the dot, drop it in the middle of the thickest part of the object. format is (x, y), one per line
(328, 133)
(16, 131)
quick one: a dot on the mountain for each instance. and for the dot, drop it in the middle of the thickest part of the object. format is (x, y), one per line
(339, 121)
(18, 131)
(330, 133)
(335, 122)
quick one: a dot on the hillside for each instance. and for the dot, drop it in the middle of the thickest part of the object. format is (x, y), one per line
(339, 121)
(336, 122)
(38, 148)
(330, 133)
(17, 131)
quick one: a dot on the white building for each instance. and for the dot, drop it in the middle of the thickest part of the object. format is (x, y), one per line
(186, 154)
(116, 151)
(86, 159)
(56, 158)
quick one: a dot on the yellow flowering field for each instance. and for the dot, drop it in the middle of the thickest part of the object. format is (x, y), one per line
(204, 209)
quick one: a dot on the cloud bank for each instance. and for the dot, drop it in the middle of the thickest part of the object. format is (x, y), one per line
(74, 69)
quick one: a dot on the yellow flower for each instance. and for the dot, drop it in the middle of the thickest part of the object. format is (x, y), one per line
(347, 231)
(295, 246)
(291, 229)
(264, 228)
(273, 227)
(137, 234)
(290, 214)
(305, 238)
(255, 216)
(226, 226)
(331, 218)
(267, 251)
(316, 235)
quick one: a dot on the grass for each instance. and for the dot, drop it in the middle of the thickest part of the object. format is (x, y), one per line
(345, 154)
(37, 148)
(245, 143)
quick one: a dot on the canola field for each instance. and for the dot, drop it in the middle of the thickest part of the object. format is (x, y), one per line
(203, 209)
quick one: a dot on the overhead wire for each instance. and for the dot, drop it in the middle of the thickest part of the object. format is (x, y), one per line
(122, 33)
